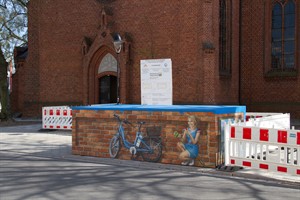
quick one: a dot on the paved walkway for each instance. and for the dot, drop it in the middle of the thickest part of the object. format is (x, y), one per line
(31, 139)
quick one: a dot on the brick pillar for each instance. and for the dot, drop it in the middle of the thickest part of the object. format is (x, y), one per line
(209, 81)
(209, 56)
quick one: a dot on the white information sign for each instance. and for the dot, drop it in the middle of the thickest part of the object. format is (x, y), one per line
(156, 82)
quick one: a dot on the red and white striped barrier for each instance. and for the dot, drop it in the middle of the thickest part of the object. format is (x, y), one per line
(275, 150)
(58, 117)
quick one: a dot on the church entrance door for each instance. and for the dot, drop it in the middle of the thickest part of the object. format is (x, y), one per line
(107, 89)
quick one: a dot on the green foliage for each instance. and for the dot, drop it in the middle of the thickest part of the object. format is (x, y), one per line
(13, 25)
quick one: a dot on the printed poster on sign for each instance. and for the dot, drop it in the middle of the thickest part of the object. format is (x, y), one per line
(156, 82)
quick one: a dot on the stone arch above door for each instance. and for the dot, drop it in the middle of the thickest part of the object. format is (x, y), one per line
(95, 50)
(107, 70)
(99, 66)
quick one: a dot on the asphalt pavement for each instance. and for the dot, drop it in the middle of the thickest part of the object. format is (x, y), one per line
(34, 141)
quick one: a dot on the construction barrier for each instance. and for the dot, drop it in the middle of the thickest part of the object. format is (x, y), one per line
(57, 117)
(276, 150)
(256, 115)
(268, 120)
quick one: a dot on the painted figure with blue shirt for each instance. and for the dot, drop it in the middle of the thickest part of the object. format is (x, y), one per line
(188, 146)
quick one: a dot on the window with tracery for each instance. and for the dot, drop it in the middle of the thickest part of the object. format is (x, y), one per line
(108, 63)
(283, 40)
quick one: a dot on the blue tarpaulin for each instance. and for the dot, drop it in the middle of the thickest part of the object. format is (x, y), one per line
(216, 109)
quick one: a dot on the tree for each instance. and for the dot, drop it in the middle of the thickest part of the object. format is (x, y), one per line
(13, 25)
(3, 87)
(13, 32)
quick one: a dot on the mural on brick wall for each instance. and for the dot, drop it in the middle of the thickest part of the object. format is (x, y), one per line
(148, 146)
(188, 144)
(150, 135)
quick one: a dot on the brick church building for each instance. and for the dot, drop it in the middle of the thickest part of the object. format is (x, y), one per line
(222, 51)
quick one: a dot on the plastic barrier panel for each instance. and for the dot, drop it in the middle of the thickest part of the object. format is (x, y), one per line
(276, 150)
(272, 120)
(58, 117)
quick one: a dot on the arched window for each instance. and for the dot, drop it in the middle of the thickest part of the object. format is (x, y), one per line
(108, 63)
(283, 41)
(225, 46)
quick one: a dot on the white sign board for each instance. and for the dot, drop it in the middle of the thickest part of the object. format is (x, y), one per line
(156, 82)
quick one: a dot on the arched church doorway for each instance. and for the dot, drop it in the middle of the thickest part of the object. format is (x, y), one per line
(106, 84)
(107, 89)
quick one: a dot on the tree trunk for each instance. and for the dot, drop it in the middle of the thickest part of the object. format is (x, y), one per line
(3, 87)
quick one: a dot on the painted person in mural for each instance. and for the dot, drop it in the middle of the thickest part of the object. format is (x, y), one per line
(188, 146)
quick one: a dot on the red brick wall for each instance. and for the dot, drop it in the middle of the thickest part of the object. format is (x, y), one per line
(29, 79)
(258, 91)
(159, 29)
(53, 74)
(92, 131)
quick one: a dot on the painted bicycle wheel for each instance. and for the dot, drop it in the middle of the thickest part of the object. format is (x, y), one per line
(114, 146)
(155, 145)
